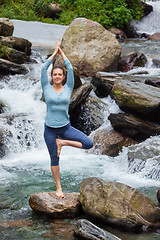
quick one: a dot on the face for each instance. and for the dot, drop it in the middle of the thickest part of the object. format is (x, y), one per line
(57, 76)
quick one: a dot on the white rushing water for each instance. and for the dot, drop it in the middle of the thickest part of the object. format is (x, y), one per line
(151, 23)
(26, 149)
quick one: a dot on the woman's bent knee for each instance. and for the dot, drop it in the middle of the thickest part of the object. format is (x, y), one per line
(88, 144)
(54, 161)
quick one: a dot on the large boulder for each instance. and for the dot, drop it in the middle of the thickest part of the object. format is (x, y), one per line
(118, 204)
(138, 98)
(49, 203)
(87, 230)
(19, 44)
(6, 27)
(134, 127)
(154, 37)
(90, 47)
(109, 142)
(8, 67)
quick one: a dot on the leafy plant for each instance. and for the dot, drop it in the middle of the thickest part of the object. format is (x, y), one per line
(106, 12)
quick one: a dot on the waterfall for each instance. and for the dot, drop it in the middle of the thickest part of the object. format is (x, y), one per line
(151, 23)
(23, 122)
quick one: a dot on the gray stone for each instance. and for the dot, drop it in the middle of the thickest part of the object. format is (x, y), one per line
(134, 127)
(79, 95)
(90, 231)
(90, 47)
(7, 67)
(138, 98)
(118, 204)
(104, 82)
(109, 142)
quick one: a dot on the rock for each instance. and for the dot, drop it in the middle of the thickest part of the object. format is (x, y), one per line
(117, 32)
(19, 44)
(147, 8)
(14, 55)
(49, 203)
(53, 10)
(158, 195)
(138, 98)
(90, 47)
(78, 98)
(79, 95)
(154, 37)
(153, 82)
(109, 142)
(6, 27)
(7, 67)
(2, 106)
(156, 61)
(131, 60)
(104, 82)
(134, 127)
(87, 230)
(118, 204)
(91, 115)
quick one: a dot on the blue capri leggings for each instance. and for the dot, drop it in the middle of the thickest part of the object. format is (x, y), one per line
(68, 133)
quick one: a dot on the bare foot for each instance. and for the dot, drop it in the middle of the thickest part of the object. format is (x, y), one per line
(59, 193)
(59, 146)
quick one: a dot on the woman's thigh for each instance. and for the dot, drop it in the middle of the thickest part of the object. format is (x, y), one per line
(71, 133)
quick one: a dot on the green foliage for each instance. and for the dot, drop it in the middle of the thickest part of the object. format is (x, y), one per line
(106, 12)
(5, 51)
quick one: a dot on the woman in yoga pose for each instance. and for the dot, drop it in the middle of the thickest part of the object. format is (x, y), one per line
(57, 123)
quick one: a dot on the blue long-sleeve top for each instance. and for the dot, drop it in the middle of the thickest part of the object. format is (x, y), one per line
(57, 103)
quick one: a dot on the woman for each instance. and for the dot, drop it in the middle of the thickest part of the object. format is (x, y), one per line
(57, 124)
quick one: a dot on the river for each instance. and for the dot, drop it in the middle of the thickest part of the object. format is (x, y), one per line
(25, 169)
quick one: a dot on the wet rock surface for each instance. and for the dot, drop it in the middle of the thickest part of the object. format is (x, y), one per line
(88, 230)
(154, 37)
(131, 60)
(134, 127)
(48, 203)
(91, 115)
(103, 83)
(138, 98)
(118, 204)
(153, 82)
(109, 142)
(8, 67)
